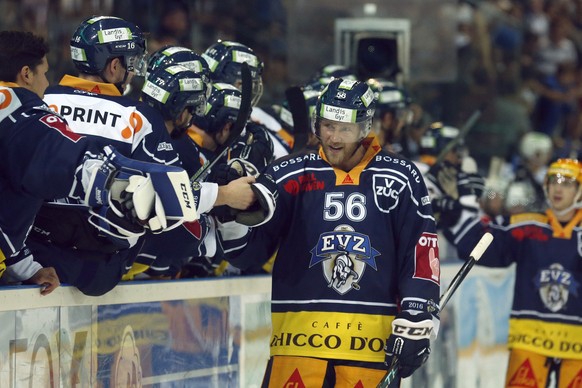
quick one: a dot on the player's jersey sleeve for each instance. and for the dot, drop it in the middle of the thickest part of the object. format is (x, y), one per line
(417, 249)
(508, 233)
(248, 247)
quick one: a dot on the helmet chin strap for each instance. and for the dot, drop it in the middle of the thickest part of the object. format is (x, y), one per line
(118, 85)
(576, 204)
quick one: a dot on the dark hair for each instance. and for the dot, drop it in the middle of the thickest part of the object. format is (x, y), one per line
(17, 50)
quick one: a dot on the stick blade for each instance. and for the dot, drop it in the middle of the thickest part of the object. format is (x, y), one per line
(481, 246)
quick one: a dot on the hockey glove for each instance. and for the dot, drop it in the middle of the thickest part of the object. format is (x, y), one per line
(255, 148)
(223, 174)
(447, 211)
(471, 184)
(263, 209)
(127, 196)
(445, 176)
(409, 341)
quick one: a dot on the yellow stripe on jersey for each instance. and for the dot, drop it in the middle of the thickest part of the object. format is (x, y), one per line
(2, 263)
(525, 217)
(90, 86)
(330, 335)
(559, 340)
(287, 137)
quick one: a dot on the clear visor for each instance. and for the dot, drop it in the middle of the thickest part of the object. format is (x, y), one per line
(339, 132)
(137, 64)
(562, 180)
(256, 90)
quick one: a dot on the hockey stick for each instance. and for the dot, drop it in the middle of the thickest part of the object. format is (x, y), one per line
(475, 255)
(299, 111)
(237, 128)
(475, 116)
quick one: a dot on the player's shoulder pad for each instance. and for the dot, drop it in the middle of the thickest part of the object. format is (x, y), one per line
(528, 217)
(293, 162)
(397, 162)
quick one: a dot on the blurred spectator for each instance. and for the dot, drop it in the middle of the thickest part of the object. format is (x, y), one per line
(173, 28)
(556, 48)
(536, 20)
(556, 100)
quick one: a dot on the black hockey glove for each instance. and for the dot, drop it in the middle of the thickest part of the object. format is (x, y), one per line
(409, 341)
(447, 211)
(471, 184)
(263, 209)
(200, 267)
(255, 148)
(445, 176)
(223, 174)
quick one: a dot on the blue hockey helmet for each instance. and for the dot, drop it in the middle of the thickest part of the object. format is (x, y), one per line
(177, 55)
(99, 39)
(346, 101)
(172, 89)
(436, 138)
(327, 73)
(222, 107)
(389, 97)
(224, 59)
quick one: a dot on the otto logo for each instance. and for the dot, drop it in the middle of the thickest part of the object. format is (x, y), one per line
(427, 240)
(426, 258)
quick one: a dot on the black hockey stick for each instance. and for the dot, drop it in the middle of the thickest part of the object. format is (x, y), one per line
(471, 121)
(299, 111)
(237, 128)
(475, 255)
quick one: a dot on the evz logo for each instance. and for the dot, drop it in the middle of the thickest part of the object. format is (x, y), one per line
(555, 284)
(387, 189)
(343, 255)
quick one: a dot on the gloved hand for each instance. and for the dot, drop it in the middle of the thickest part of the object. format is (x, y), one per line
(446, 211)
(223, 174)
(409, 341)
(471, 184)
(445, 176)
(255, 148)
(263, 209)
(127, 195)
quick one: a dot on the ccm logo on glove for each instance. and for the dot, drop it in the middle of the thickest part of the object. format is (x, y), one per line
(411, 332)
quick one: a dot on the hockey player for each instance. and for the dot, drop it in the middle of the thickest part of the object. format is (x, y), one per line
(177, 55)
(448, 183)
(107, 52)
(44, 159)
(393, 114)
(545, 325)
(224, 59)
(357, 257)
(173, 90)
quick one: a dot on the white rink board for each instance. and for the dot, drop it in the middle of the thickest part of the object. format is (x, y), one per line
(214, 332)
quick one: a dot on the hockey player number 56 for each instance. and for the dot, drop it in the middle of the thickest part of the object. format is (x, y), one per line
(354, 207)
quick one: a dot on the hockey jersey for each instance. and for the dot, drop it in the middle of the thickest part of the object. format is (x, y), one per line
(547, 306)
(40, 156)
(135, 129)
(353, 248)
